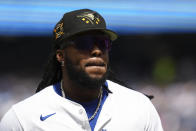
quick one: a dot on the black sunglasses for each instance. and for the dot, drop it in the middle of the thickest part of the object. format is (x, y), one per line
(88, 42)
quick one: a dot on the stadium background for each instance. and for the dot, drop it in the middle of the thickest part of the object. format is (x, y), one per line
(155, 53)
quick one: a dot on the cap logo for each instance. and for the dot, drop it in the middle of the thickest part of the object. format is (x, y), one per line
(89, 18)
(59, 30)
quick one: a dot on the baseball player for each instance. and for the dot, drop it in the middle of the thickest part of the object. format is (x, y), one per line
(75, 94)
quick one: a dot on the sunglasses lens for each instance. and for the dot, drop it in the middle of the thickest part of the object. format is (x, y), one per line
(104, 43)
(88, 42)
(84, 43)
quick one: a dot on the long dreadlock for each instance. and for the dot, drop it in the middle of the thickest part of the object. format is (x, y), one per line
(53, 72)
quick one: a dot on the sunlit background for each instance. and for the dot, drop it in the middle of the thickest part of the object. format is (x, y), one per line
(155, 53)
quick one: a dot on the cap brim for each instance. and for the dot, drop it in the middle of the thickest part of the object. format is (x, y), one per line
(113, 36)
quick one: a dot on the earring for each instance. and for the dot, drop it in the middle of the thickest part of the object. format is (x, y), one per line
(62, 63)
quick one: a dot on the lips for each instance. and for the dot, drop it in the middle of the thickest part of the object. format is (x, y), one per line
(95, 63)
(95, 67)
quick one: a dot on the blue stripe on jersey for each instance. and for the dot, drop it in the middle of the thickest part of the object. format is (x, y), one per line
(94, 121)
(57, 89)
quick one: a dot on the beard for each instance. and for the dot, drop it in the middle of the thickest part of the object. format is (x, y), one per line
(81, 78)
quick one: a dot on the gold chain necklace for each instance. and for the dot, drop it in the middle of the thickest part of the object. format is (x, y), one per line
(98, 106)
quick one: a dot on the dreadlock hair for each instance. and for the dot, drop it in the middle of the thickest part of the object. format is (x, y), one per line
(53, 72)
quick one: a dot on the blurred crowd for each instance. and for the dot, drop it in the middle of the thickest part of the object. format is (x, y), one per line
(175, 102)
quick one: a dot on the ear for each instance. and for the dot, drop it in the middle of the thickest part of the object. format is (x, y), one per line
(60, 55)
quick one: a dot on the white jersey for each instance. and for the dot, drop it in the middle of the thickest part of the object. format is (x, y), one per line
(123, 110)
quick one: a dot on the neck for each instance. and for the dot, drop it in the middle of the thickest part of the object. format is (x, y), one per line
(78, 93)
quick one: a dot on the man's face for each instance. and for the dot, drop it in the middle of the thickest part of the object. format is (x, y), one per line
(86, 60)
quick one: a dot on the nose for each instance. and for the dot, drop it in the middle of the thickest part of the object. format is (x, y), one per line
(96, 51)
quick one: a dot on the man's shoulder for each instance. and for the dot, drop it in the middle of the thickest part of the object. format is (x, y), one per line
(125, 92)
(35, 100)
(133, 100)
(118, 88)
